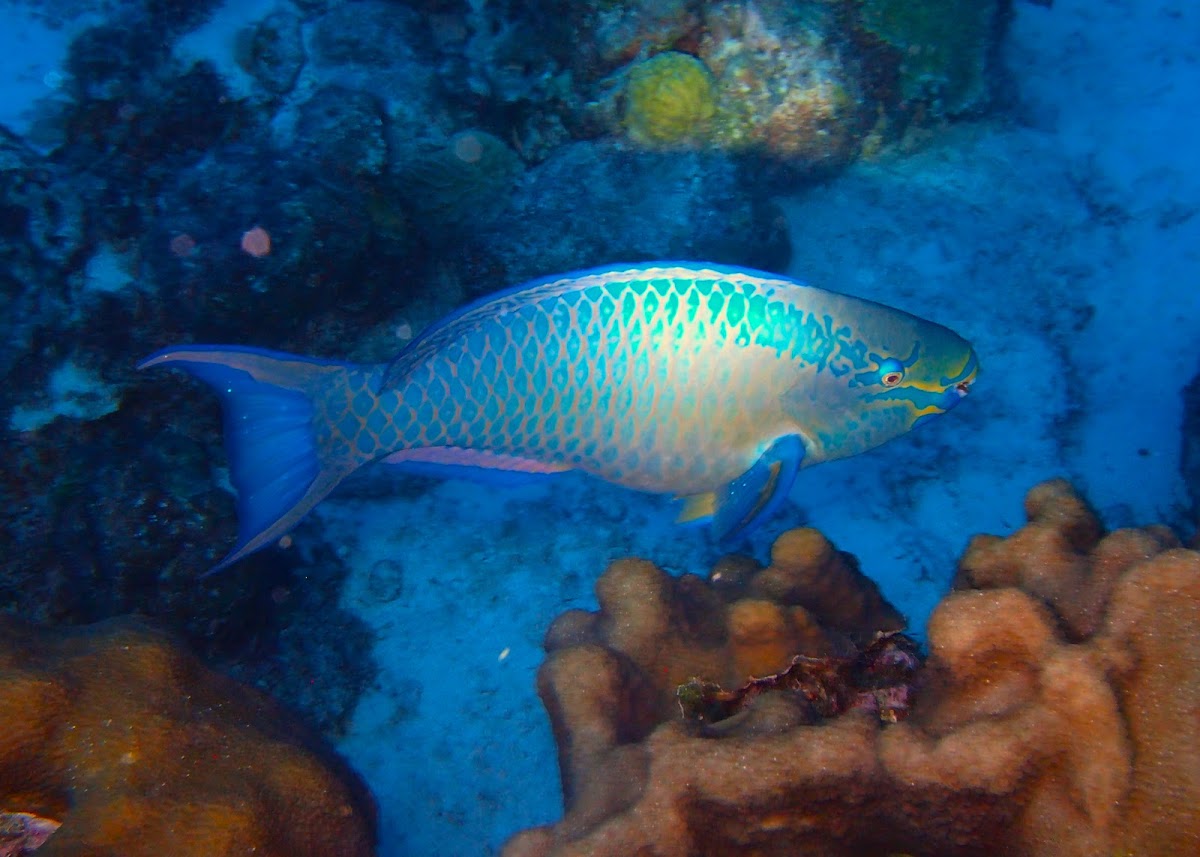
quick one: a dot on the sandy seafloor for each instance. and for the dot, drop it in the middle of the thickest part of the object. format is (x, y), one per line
(1061, 239)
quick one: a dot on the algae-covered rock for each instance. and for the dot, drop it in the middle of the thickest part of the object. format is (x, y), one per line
(463, 183)
(272, 50)
(785, 88)
(689, 204)
(943, 47)
(752, 79)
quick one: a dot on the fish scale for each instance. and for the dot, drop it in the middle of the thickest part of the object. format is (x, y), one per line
(697, 380)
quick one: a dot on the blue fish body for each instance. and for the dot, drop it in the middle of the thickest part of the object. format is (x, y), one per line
(711, 383)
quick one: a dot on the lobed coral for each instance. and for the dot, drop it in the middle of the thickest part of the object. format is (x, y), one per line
(612, 677)
(138, 749)
(1056, 714)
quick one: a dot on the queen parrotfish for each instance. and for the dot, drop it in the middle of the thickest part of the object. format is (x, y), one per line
(712, 383)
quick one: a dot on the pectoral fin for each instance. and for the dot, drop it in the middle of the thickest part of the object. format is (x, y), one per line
(755, 495)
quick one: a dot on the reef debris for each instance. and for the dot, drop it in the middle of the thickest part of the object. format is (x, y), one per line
(878, 678)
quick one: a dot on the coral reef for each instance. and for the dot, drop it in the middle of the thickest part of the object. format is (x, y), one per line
(798, 84)
(447, 140)
(668, 99)
(1056, 714)
(613, 676)
(765, 80)
(126, 525)
(126, 235)
(137, 749)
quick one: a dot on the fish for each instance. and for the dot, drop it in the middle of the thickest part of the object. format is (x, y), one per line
(715, 384)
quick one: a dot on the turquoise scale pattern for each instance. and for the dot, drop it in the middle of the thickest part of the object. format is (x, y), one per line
(661, 379)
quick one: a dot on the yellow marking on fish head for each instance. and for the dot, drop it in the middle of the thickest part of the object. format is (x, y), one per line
(885, 372)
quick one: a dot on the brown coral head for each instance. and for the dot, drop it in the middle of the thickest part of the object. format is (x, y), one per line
(130, 739)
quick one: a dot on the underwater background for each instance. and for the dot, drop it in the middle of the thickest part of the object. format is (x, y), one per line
(329, 178)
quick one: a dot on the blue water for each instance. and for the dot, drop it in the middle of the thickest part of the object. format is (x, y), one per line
(1055, 229)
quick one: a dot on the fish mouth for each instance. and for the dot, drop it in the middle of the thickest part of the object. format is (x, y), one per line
(961, 383)
(957, 388)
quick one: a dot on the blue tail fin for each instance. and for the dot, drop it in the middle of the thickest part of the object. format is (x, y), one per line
(275, 462)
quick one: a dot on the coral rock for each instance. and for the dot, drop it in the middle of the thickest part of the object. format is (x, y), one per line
(138, 749)
(1056, 715)
(783, 87)
(943, 48)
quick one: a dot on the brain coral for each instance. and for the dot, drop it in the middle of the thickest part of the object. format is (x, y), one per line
(140, 751)
(669, 99)
(1056, 715)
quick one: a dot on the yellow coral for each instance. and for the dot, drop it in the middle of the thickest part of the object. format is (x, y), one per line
(669, 99)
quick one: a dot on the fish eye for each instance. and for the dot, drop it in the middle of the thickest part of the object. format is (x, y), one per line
(891, 372)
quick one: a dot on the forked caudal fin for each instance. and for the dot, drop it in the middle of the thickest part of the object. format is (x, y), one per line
(276, 464)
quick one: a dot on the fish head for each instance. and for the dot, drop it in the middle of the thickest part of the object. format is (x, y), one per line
(886, 375)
